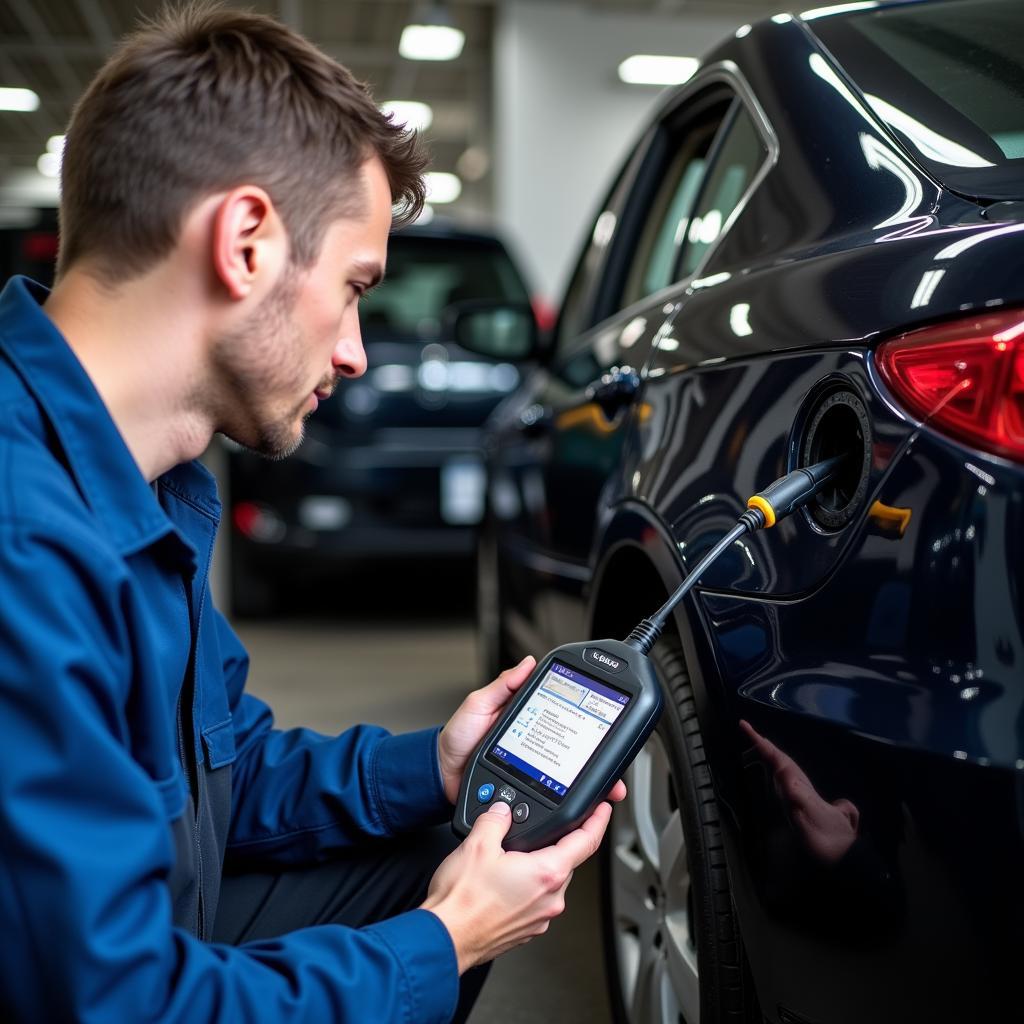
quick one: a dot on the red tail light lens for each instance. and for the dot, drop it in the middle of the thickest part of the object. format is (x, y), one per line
(966, 379)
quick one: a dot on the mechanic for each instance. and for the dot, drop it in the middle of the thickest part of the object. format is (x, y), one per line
(227, 195)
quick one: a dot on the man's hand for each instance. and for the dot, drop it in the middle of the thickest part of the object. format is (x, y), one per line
(468, 726)
(491, 900)
(827, 829)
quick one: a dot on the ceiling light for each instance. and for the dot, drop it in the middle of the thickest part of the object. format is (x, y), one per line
(55, 144)
(649, 69)
(49, 165)
(19, 99)
(826, 12)
(434, 38)
(443, 187)
(473, 164)
(410, 113)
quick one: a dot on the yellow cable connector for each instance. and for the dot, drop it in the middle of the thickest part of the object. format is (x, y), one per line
(763, 505)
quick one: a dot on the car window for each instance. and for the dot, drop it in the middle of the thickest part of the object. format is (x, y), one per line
(634, 244)
(577, 306)
(740, 156)
(948, 79)
(664, 231)
(425, 275)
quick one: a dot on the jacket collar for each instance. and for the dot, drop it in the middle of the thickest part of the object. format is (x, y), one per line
(97, 457)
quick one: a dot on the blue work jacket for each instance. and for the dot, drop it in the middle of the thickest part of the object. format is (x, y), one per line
(132, 762)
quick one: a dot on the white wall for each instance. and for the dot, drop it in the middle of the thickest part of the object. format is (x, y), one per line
(564, 121)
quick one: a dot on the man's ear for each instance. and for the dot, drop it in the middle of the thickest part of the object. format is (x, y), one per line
(249, 242)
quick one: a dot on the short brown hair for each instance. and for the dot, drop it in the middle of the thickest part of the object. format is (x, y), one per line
(205, 98)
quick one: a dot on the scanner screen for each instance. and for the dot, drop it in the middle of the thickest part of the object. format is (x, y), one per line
(558, 729)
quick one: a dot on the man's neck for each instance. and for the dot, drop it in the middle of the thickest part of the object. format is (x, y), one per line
(140, 345)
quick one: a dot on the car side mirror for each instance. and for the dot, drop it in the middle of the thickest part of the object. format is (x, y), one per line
(499, 330)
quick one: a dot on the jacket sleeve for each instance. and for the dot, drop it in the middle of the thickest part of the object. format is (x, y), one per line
(87, 848)
(298, 796)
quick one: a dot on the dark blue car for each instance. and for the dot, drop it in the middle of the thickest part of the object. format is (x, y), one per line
(815, 249)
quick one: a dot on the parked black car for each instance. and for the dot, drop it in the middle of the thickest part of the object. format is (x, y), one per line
(816, 248)
(391, 465)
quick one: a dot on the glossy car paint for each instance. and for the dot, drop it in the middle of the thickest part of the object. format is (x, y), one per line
(888, 665)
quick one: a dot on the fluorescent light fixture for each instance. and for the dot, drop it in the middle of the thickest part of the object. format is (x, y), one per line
(742, 31)
(443, 187)
(782, 19)
(24, 100)
(652, 69)
(49, 165)
(739, 320)
(411, 113)
(55, 144)
(929, 282)
(825, 12)
(431, 42)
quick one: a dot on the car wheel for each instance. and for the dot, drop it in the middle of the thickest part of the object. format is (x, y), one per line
(673, 947)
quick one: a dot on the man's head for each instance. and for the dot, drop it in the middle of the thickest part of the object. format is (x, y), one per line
(222, 156)
(205, 98)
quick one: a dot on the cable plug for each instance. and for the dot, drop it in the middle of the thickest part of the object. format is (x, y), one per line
(794, 490)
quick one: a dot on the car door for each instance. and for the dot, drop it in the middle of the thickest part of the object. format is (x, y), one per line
(563, 438)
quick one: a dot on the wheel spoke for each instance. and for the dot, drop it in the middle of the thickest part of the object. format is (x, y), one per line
(641, 795)
(647, 993)
(673, 868)
(681, 962)
(656, 955)
(633, 878)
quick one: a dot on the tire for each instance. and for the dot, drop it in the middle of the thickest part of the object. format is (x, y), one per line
(672, 941)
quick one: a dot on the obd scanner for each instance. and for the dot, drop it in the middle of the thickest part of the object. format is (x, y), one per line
(567, 736)
(581, 718)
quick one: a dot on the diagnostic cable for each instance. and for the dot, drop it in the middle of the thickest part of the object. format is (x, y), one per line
(587, 709)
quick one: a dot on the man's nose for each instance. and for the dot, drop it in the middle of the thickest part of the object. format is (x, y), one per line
(349, 358)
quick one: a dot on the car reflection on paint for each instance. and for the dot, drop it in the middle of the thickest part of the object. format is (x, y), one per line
(814, 249)
(391, 465)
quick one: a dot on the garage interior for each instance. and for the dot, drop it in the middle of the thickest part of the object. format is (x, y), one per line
(525, 127)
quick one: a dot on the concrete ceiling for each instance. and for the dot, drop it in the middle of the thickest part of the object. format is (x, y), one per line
(55, 46)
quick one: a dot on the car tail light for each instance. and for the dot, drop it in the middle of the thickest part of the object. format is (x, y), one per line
(965, 378)
(258, 522)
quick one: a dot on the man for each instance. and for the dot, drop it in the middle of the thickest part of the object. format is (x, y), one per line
(166, 855)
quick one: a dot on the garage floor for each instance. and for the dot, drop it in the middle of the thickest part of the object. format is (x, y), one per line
(367, 652)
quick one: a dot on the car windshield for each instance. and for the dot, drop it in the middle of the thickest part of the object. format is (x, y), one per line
(948, 78)
(426, 275)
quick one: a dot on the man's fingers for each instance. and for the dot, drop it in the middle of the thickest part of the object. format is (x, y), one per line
(618, 792)
(577, 846)
(492, 826)
(495, 694)
(770, 753)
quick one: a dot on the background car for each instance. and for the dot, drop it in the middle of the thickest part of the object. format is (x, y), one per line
(28, 243)
(390, 466)
(814, 249)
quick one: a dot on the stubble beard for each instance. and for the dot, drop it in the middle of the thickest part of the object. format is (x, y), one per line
(261, 358)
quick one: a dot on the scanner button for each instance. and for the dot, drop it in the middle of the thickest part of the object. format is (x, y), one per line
(521, 812)
(507, 793)
(485, 792)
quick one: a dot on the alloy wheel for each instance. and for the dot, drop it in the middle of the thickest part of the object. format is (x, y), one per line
(653, 928)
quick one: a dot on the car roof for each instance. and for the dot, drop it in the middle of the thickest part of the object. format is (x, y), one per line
(449, 229)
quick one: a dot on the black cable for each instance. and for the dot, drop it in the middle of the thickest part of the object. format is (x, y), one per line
(764, 510)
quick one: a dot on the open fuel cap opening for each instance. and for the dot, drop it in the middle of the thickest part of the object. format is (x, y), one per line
(839, 426)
